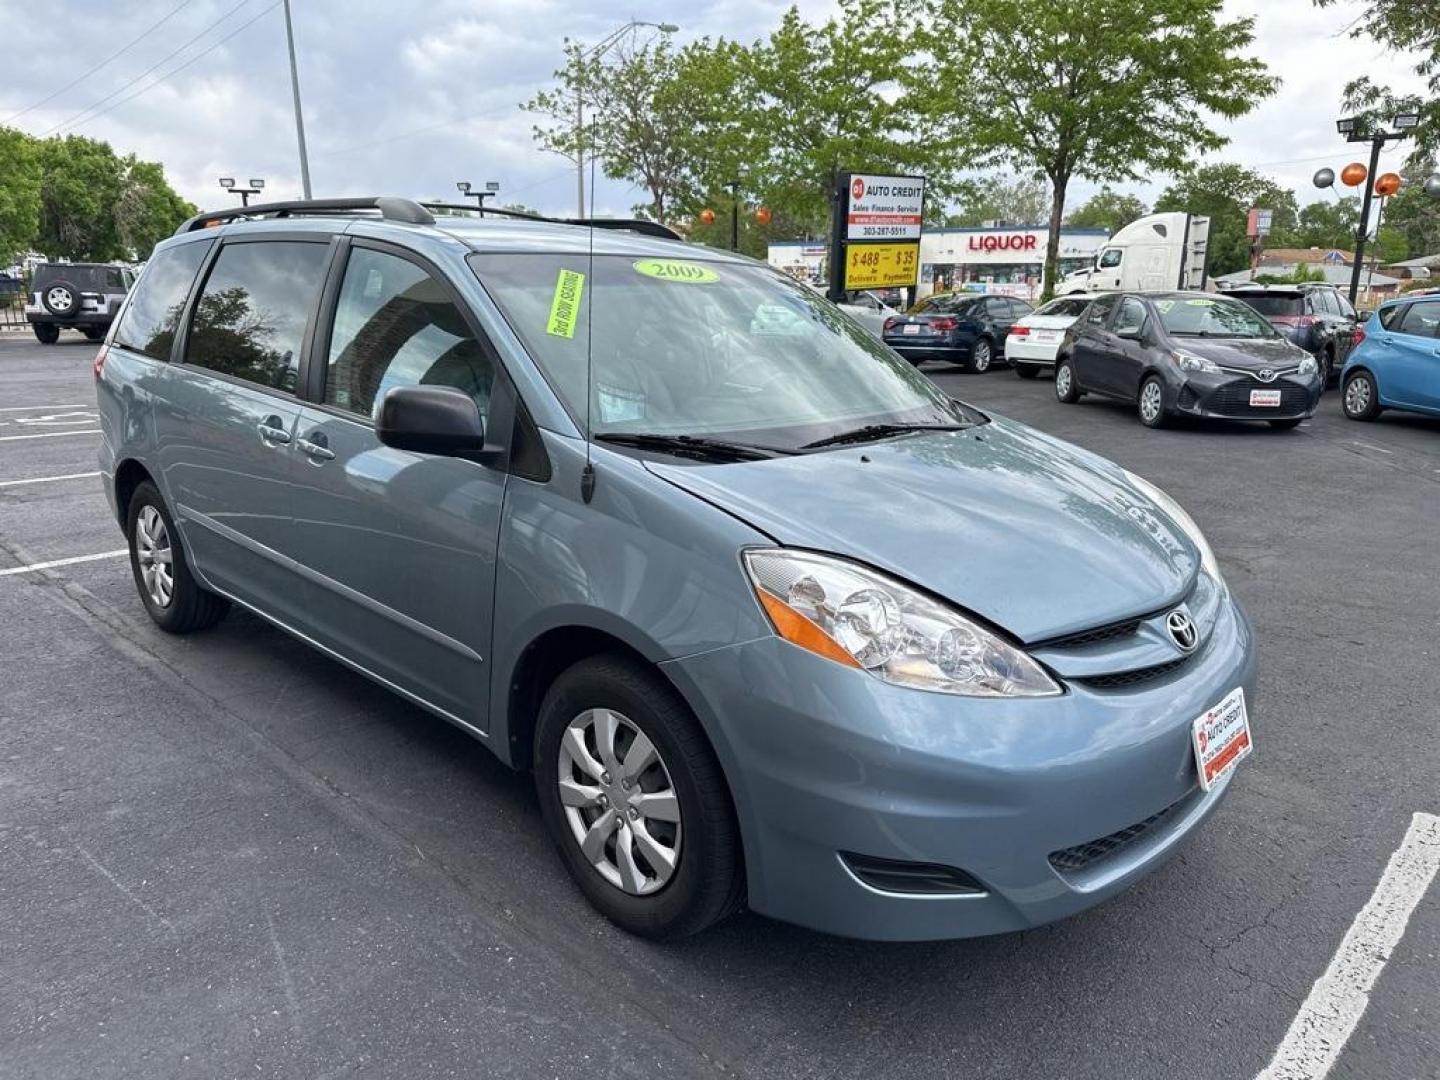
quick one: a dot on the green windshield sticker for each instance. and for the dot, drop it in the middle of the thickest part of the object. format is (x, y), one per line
(1200, 301)
(674, 270)
(565, 307)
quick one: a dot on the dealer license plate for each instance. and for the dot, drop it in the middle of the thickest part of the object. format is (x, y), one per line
(1047, 336)
(910, 328)
(1264, 399)
(1221, 738)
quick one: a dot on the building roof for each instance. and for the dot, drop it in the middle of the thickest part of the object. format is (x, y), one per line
(1279, 256)
(1335, 274)
(1424, 262)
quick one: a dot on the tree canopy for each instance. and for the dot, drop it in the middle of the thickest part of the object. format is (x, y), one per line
(1107, 209)
(1225, 193)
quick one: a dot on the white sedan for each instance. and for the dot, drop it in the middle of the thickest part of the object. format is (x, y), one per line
(1034, 340)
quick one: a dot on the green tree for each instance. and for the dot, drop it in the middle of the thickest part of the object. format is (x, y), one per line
(1019, 200)
(1325, 224)
(147, 209)
(1101, 89)
(79, 187)
(1403, 26)
(1225, 193)
(1107, 209)
(1415, 214)
(19, 194)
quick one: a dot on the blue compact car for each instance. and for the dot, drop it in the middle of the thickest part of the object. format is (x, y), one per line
(670, 532)
(1396, 363)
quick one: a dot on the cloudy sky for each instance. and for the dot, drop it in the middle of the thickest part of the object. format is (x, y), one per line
(407, 99)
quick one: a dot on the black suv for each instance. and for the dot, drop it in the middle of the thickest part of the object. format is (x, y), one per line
(81, 296)
(1317, 317)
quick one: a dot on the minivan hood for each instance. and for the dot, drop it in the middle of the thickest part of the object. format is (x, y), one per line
(1035, 535)
(1246, 353)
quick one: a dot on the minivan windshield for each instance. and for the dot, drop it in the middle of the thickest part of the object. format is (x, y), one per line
(1204, 316)
(702, 348)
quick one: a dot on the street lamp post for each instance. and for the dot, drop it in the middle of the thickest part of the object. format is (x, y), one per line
(1349, 126)
(491, 188)
(299, 115)
(595, 52)
(256, 186)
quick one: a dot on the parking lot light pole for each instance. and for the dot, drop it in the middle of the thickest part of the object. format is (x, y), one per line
(734, 186)
(256, 186)
(595, 52)
(299, 115)
(491, 188)
(1349, 126)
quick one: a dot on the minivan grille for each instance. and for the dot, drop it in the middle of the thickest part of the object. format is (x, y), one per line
(1083, 856)
(1130, 678)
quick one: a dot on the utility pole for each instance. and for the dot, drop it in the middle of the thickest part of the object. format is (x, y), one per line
(299, 116)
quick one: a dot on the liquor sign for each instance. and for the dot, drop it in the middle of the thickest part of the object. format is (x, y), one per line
(884, 207)
(881, 266)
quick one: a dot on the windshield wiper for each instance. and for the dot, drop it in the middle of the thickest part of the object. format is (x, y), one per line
(697, 446)
(871, 432)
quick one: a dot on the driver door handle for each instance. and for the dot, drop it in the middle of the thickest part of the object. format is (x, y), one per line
(272, 432)
(316, 451)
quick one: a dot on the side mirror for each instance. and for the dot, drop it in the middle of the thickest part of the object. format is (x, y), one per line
(432, 420)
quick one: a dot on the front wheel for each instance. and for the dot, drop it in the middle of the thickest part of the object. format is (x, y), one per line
(981, 356)
(1026, 371)
(1067, 389)
(46, 333)
(635, 801)
(1152, 403)
(1361, 400)
(170, 593)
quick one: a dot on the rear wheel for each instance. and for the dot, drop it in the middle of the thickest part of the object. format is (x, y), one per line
(1327, 369)
(95, 333)
(1066, 387)
(168, 590)
(634, 799)
(1151, 406)
(981, 356)
(46, 333)
(1361, 400)
(1026, 371)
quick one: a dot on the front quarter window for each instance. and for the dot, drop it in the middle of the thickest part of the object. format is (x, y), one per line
(691, 346)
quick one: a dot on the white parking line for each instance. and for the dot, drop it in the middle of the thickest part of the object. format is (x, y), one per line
(47, 479)
(63, 562)
(49, 435)
(37, 408)
(1339, 997)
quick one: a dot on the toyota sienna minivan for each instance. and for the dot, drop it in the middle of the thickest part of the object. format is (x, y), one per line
(773, 621)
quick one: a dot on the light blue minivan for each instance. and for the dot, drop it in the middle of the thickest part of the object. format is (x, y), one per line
(1396, 361)
(773, 621)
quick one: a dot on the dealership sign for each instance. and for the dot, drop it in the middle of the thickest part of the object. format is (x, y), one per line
(880, 266)
(884, 207)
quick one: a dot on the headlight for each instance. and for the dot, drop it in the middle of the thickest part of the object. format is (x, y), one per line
(1188, 361)
(864, 619)
(1308, 366)
(1184, 520)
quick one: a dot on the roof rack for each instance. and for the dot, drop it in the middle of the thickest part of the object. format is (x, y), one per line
(639, 225)
(391, 209)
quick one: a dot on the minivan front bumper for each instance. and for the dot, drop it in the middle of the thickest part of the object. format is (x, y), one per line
(823, 759)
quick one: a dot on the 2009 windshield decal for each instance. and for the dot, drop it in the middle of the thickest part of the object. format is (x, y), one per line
(674, 270)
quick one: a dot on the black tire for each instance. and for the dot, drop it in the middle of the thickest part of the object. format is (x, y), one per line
(1067, 387)
(982, 356)
(1327, 369)
(62, 309)
(190, 607)
(1360, 399)
(95, 333)
(1151, 390)
(46, 333)
(1286, 425)
(1026, 371)
(708, 882)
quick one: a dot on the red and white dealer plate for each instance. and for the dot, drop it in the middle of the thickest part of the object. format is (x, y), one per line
(1265, 399)
(1221, 738)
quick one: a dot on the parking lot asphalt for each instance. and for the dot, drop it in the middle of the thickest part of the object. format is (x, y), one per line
(226, 855)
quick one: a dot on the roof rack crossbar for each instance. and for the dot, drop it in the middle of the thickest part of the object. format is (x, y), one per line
(390, 207)
(639, 225)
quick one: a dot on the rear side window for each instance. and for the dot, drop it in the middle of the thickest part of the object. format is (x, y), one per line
(395, 325)
(250, 319)
(1421, 320)
(1388, 316)
(1272, 304)
(153, 315)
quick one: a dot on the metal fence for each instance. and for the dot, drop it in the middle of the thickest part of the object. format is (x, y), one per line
(12, 313)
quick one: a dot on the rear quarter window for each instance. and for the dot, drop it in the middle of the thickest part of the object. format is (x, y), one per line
(149, 323)
(1421, 319)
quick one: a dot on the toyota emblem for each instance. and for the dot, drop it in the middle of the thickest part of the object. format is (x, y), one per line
(1181, 629)
(1266, 374)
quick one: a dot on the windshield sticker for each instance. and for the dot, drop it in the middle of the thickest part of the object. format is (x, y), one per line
(1164, 306)
(1200, 301)
(674, 270)
(617, 403)
(565, 307)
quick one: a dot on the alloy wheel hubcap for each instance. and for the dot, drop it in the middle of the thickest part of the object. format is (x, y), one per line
(155, 556)
(1150, 401)
(59, 297)
(1062, 380)
(619, 801)
(982, 356)
(1357, 396)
